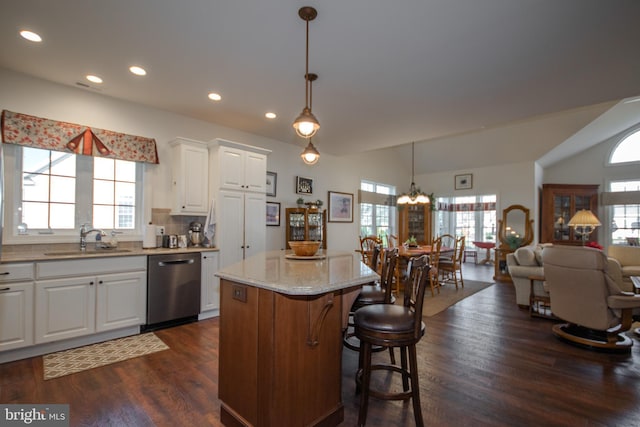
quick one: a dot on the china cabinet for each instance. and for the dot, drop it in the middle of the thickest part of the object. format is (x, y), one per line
(415, 220)
(306, 224)
(559, 203)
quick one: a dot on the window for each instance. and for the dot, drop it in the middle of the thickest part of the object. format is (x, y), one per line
(627, 150)
(473, 217)
(57, 192)
(625, 222)
(377, 215)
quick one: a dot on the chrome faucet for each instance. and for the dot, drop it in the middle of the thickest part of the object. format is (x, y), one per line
(83, 235)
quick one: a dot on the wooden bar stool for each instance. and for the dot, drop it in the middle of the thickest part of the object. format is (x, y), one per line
(394, 325)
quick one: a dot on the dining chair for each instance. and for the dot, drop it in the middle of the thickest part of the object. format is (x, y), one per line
(451, 269)
(448, 241)
(392, 240)
(434, 262)
(393, 325)
(367, 243)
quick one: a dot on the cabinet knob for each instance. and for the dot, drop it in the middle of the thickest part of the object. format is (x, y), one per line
(100, 282)
(91, 283)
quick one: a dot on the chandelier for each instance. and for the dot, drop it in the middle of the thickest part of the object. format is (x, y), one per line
(414, 196)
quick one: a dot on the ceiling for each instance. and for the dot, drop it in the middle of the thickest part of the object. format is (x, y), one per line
(389, 72)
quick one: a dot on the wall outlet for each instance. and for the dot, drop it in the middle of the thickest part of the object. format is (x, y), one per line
(159, 230)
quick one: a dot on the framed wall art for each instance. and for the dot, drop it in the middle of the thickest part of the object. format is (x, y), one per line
(273, 213)
(340, 207)
(464, 182)
(304, 185)
(272, 181)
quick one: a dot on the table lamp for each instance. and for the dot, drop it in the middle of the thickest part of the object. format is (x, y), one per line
(584, 222)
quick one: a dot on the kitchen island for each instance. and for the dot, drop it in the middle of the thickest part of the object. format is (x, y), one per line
(281, 323)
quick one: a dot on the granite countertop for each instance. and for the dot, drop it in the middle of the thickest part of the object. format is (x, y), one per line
(273, 270)
(66, 251)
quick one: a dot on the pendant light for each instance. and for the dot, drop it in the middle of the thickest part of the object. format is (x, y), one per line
(414, 196)
(310, 155)
(306, 125)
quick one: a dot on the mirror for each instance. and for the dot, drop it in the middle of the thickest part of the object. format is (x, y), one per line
(515, 229)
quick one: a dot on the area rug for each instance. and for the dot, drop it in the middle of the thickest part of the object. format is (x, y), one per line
(449, 295)
(101, 354)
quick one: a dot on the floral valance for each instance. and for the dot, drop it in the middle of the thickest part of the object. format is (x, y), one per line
(37, 132)
(467, 207)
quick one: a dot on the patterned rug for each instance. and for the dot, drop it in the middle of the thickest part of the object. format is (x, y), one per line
(449, 295)
(101, 354)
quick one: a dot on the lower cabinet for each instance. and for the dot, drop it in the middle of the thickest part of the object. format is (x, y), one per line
(16, 313)
(78, 297)
(210, 297)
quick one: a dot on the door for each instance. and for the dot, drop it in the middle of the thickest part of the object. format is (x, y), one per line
(65, 308)
(16, 306)
(121, 300)
(210, 299)
(255, 171)
(230, 236)
(255, 206)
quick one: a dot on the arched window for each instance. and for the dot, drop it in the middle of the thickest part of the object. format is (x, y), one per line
(627, 150)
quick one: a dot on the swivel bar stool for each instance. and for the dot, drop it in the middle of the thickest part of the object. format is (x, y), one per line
(394, 325)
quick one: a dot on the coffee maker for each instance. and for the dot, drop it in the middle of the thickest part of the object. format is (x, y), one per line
(195, 234)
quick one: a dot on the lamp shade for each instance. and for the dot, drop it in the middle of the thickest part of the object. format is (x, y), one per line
(584, 218)
(306, 124)
(310, 155)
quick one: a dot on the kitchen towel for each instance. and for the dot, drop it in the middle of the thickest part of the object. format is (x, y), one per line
(210, 223)
(149, 236)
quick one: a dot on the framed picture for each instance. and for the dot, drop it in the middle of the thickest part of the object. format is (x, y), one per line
(273, 213)
(340, 207)
(304, 185)
(464, 182)
(272, 181)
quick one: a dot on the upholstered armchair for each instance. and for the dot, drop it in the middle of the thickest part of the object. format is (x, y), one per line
(584, 295)
(628, 262)
(521, 264)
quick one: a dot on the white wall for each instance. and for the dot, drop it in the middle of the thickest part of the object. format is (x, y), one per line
(24, 94)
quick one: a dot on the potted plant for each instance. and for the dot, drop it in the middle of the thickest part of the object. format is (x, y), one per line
(300, 202)
(411, 242)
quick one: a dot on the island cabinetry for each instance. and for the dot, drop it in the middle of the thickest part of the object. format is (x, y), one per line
(80, 297)
(190, 177)
(415, 221)
(210, 284)
(560, 202)
(16, 305)
(306, 224)
(281, 357)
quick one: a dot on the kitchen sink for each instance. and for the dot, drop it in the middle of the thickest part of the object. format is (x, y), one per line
(88, 252)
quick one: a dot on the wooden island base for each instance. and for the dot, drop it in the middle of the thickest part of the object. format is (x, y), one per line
(280, 357)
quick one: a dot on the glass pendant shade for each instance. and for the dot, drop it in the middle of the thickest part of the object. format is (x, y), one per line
(306, 124)
(310, 155)
(414, 196)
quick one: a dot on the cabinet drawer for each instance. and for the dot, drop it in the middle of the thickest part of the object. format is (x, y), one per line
(83, 267)
(13, 272)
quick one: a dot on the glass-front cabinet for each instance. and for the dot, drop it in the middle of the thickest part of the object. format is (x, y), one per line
(415, 221)
(559, 203)
(306, 224)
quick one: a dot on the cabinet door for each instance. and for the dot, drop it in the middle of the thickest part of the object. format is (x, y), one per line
(231, 165)
(230, 237)
(210, 298)
(190, 179)
(65, 308)
(121, 300)
(16, 310)
(255, 172)
(254, 223)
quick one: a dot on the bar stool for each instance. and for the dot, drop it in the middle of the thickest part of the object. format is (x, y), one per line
(394, 325)
(378, 293)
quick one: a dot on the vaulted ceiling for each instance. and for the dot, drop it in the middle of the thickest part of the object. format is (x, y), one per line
(431, 71)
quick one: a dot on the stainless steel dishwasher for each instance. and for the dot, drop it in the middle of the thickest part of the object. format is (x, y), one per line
(173, 289)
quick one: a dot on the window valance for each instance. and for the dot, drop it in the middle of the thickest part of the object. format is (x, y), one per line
(466, 207)
(37, 132)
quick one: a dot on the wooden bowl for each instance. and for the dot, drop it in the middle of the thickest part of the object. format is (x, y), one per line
(304, 247)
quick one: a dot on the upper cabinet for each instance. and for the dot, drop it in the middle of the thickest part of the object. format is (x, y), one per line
(559, 203)
(241, 167)
(190, 177)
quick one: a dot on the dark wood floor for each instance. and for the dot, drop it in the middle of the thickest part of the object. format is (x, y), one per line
(483, 362)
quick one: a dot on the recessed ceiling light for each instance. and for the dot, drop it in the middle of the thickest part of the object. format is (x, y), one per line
(94, 79)
(138, 71)
(214, 96)
(270, 115)
(31, 36)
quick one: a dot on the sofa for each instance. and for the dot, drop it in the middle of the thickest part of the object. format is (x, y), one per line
(627, 259)
(524, 262)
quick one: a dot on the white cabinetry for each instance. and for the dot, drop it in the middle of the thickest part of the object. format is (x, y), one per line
(190, 177)
(16, 306)
(80, 297)
(210, 283)
(239, 183)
